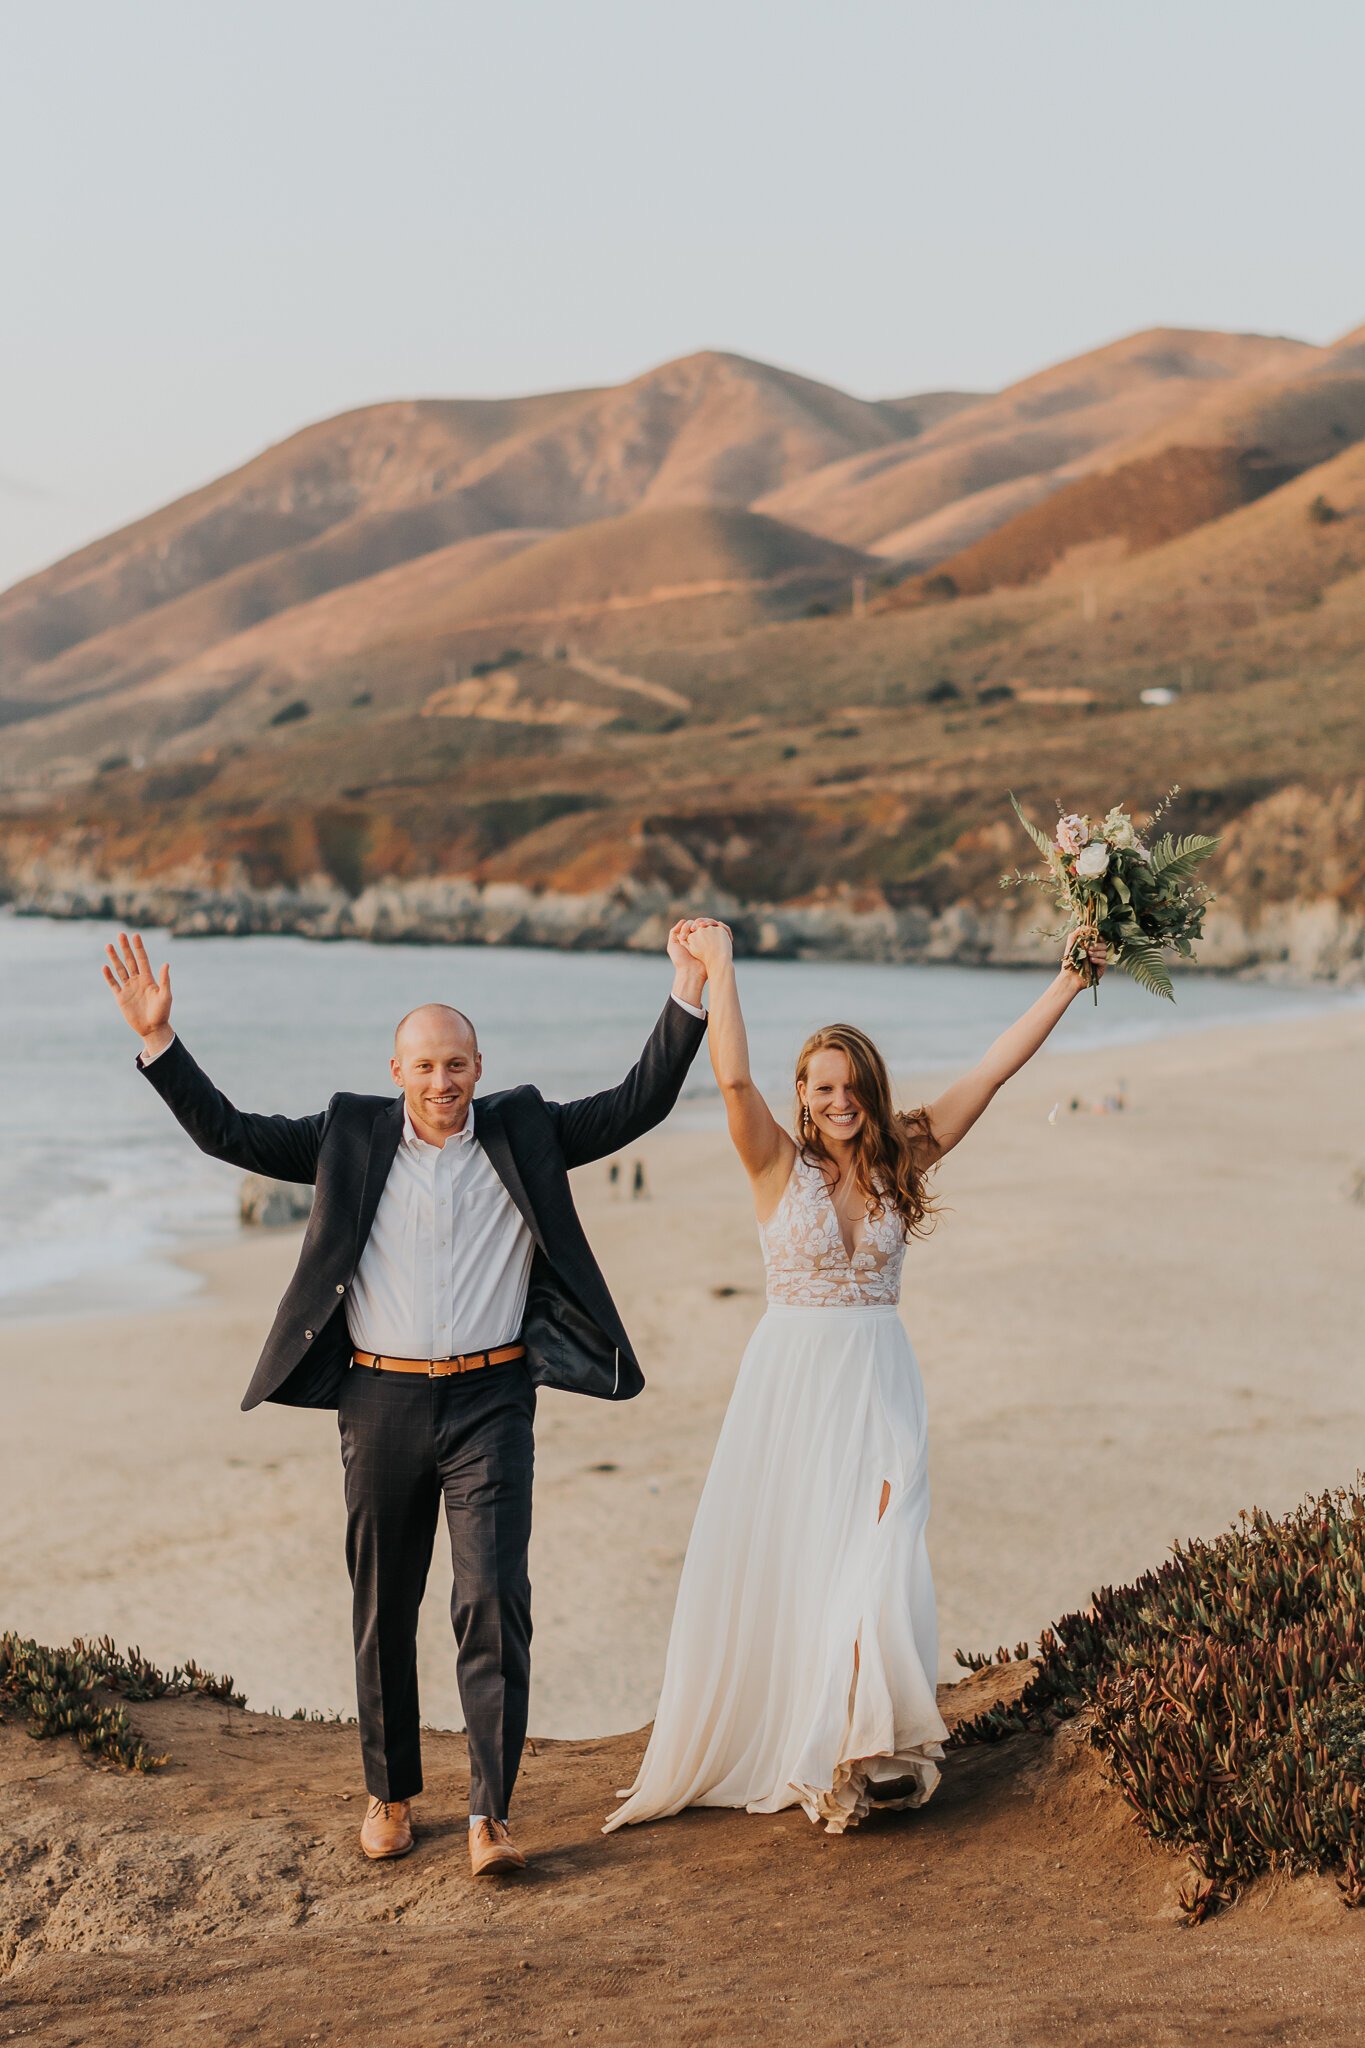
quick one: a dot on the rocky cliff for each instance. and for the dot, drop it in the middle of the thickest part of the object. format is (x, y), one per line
(1290, 900)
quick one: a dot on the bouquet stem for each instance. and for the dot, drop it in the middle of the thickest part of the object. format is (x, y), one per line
(1086, 937)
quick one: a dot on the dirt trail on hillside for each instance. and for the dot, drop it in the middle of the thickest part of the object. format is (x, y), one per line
(224, 1900)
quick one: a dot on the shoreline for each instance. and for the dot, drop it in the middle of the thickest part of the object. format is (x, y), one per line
(167, 1273)
(1220, 1369)
(1313, 940)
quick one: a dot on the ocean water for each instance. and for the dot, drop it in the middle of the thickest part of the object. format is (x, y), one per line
(98, 1186)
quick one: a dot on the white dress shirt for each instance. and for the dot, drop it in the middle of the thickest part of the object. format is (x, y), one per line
(447, 1262)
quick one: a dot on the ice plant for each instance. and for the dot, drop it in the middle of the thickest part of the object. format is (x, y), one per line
(1226, 1692)
(1110, 884)
(68, 1691)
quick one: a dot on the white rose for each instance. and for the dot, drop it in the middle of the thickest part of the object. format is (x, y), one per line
(1092, 860)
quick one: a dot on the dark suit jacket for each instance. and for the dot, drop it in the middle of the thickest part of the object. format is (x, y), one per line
(573, 1334)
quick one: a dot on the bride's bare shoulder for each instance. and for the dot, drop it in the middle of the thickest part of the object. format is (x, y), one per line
(770, 1186)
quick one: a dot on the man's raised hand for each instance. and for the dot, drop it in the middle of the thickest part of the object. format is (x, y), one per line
(689, 972)
(143, 997)
(709, 942)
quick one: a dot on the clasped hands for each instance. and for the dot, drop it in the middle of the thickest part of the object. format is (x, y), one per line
(697, 946)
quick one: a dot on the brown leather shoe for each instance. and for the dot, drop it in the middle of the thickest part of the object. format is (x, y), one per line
(491, 1850)
(387, 1828)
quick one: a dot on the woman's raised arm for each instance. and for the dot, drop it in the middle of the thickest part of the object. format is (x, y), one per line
(952, 1114)
(765, 1148)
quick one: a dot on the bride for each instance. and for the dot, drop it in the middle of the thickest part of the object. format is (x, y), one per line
(803, 1653)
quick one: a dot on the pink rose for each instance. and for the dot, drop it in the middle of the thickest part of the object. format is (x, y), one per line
(1072, 833)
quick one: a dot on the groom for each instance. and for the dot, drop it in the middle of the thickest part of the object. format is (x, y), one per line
(444, 1276)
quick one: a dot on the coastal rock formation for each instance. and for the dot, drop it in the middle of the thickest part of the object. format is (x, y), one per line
(1319, 938)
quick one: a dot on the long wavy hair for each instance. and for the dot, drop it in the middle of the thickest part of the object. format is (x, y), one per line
(894, 1148)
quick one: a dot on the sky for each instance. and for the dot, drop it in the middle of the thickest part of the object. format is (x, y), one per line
(220, 222)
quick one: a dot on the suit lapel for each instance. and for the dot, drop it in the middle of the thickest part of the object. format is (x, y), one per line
(491, 1133)
(385, 1133)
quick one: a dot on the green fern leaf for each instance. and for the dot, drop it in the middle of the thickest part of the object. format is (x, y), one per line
(1147, 969)
(1040, 839)
(1175, 860)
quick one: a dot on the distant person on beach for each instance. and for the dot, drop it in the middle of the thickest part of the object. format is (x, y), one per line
(638, 1191)
(444, 1276)
(803, 1655)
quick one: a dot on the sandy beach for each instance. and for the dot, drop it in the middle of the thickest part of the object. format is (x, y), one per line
(1130, 1326)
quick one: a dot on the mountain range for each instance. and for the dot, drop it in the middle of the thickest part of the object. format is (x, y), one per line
(719, 632)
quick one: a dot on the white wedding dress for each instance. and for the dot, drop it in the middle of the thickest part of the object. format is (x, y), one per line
(804, 1645)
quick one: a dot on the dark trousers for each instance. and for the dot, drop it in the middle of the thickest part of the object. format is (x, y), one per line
(407, 1443)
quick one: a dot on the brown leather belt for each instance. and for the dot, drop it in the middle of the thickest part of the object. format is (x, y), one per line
(440, 1368)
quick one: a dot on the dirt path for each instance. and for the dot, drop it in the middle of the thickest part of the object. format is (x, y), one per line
(638, 686)
(224, 1901)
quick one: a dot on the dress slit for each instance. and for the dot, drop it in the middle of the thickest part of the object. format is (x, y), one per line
(885, 1504)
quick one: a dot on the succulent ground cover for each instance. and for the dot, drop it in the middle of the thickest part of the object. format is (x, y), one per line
(1226, 1691)
(67, 1692)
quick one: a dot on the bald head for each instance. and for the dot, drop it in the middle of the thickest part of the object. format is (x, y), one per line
(433, 1018)
(436, 1064)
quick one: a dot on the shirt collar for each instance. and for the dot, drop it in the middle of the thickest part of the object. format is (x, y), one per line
(411, 1139)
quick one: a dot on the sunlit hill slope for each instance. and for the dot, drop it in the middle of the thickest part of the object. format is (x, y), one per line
(548, 668)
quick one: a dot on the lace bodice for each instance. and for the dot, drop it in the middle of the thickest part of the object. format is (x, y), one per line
(804, 1256)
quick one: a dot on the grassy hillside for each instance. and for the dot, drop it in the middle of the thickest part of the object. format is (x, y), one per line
(701, 699)
(382, 460)
(1222, 452)
(1039, 429)
(679, 574)
(352, 496)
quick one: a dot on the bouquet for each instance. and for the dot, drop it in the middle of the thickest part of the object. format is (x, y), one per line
(1112, 885)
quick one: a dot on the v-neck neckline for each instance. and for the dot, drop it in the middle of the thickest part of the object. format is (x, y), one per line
(848, 1250)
